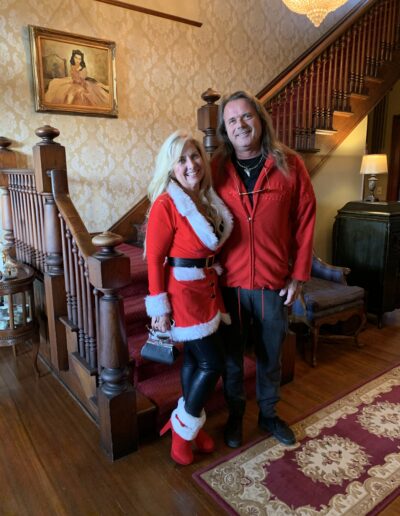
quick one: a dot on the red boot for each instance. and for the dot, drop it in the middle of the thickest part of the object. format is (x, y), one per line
(204, 443)
(181, 450)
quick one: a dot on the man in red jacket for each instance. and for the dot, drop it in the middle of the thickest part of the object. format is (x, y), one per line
(268, 255)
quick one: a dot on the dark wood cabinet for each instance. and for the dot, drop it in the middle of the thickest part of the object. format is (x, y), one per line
(366, 238)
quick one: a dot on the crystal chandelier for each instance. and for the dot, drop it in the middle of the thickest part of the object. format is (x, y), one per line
(315, 10)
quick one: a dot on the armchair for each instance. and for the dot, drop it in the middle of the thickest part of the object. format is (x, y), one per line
(327, 299)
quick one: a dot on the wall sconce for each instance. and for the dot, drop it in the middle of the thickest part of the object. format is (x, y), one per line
(373, 164)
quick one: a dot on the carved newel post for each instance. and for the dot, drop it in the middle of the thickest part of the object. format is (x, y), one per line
(48, 155)
(109, 270)
(207, 120)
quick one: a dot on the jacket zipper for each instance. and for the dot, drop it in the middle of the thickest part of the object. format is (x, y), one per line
(252, 268)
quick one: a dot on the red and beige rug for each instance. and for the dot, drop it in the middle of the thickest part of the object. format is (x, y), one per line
(346, 460)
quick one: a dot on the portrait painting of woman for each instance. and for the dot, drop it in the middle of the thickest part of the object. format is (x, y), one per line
(78, 89)
(73, 73)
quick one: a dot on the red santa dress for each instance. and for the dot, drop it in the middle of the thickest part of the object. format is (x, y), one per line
(190, 295)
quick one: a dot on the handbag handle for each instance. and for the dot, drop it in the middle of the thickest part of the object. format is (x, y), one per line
(161, 335)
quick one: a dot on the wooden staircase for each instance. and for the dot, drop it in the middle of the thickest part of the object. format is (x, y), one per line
(314, 105)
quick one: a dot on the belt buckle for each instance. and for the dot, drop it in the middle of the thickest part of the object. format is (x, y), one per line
(209, 261)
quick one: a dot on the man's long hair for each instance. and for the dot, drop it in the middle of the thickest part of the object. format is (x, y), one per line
(270, 145)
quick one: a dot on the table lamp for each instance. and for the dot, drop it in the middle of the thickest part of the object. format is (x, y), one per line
(373, 164)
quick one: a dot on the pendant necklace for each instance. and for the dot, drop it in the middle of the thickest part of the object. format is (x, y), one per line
(247, 169)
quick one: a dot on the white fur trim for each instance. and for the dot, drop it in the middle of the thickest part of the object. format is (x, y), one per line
(218, 268)
(188, 273)
(197, 331)
(200, 225)
(184, 424)
(157, 305)
(225, 214)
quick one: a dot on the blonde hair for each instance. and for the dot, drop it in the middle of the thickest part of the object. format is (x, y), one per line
(168, 156)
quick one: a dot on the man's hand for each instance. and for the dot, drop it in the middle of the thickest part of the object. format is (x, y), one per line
(292, 291)
(161, 323)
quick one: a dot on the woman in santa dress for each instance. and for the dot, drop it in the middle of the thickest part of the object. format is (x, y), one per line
(78, 89)
(187, 225)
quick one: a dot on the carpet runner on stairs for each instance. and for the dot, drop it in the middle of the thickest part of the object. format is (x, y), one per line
(158, 382)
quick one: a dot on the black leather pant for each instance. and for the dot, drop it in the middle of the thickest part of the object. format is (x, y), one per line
(202, 367)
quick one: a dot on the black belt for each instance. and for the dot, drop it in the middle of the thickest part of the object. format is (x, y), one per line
(191, 262)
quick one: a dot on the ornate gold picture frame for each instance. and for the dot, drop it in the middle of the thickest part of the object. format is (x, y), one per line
(73, 73)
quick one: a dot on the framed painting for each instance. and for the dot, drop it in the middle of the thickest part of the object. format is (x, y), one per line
(73, 73)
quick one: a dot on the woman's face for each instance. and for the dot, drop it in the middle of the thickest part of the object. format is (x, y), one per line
(77, 59)
(189, 171)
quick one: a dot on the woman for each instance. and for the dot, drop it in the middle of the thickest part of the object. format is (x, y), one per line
(187, 224)
(79, 89)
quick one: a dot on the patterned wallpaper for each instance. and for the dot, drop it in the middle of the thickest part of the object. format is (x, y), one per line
(162, 69)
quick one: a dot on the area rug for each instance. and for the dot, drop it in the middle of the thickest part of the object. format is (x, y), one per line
(346, 460)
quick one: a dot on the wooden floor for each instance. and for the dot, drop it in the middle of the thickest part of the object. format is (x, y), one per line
(51, 464)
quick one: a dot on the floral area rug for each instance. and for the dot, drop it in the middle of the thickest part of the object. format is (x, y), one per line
(346, 460)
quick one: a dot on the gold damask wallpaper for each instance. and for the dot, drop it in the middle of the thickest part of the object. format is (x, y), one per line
(162, 69)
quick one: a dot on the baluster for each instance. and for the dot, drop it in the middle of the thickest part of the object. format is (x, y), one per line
(291, 114)
(71, 276)
(310, 108)
(91, 325)
(298, 130)
(305, 143)
(64, 247)
(368, 57)
(384, 45)
(277, 124)
(32, 221)
(353, 38)
(346, 91)
(81, 337)
(335, 89)
(358, 52)
(317, 112)
(328, 102)
(207, 120)
(81, 263)
(392, 30)
(115, 395)
(322, 123)
(284, 138)
(363, 30)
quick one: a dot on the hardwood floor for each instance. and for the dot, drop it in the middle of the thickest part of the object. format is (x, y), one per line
(51, 463)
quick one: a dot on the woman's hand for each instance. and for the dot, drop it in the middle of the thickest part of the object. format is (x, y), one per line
(161, 323)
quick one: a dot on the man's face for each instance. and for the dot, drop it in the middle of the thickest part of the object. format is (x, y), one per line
(243, 127)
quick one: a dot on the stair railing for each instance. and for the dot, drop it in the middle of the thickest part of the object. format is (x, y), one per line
(321, 92)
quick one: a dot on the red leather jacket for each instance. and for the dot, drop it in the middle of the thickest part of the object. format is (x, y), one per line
(272, 240)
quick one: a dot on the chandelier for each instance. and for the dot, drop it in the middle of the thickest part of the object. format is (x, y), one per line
(315, 10)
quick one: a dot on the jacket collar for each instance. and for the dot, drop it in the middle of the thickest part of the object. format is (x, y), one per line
(200, 225)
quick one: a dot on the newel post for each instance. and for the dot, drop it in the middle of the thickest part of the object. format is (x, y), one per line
(48, 155)
(8, 159)
(109, 270)
(207, 120)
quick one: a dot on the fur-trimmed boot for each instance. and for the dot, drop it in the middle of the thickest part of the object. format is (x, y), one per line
(204, 443)
(185, 428)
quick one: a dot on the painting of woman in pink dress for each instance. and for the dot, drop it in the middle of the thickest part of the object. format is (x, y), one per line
(78, 89)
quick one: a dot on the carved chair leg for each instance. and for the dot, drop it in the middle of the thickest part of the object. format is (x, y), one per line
(362, 324)
(314, 336)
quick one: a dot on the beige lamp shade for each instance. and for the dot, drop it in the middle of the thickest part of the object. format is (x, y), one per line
(374, 164)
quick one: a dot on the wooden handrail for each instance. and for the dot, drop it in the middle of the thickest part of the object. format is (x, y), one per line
(288, 74)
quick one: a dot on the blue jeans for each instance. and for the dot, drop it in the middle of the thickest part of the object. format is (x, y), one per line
(265, 310)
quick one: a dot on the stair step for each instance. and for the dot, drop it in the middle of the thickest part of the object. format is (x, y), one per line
(147, 416)
(370, 78)
(307, 151)
(359, 96)
(343, 113)
(326, 132)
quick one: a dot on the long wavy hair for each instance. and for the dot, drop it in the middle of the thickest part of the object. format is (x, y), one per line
(168, 156)
(270, 145)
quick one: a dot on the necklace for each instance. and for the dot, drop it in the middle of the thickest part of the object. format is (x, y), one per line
(247, 169)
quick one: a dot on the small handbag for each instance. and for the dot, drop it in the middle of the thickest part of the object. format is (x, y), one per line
(160, 348)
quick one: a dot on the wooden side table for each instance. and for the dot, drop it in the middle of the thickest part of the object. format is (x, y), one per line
(17, 316)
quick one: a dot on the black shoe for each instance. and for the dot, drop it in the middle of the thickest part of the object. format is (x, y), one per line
(233, 433)
(278, 428)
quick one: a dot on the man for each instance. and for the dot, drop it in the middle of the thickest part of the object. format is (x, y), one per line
(267, 257)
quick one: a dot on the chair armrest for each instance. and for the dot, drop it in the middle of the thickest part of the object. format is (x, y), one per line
(324, 270)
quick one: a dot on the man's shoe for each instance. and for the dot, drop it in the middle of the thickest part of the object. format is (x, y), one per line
(278, 428)
(233, 433)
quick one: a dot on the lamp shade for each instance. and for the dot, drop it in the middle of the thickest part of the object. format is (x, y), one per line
(374, 164)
